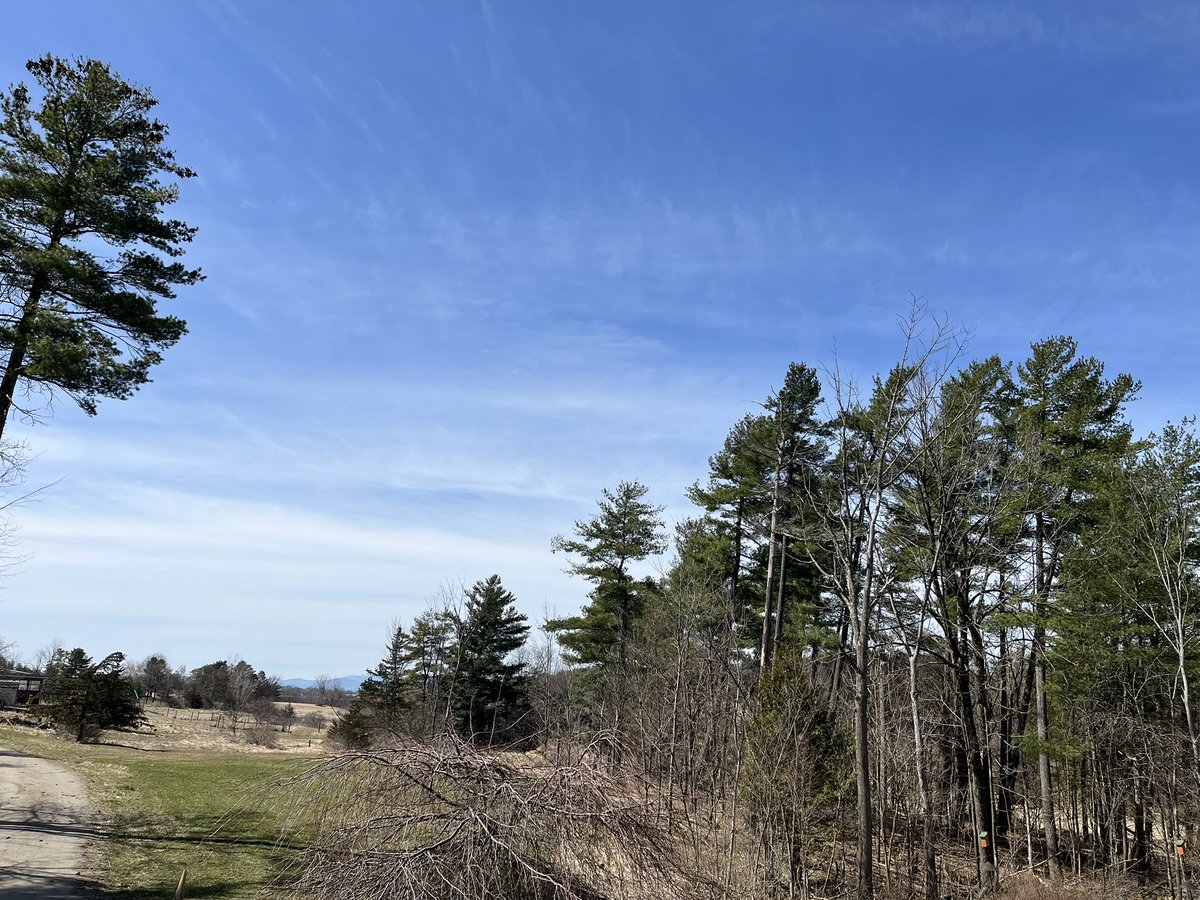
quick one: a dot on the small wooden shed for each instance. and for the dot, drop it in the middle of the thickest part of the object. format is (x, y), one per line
(19, 688)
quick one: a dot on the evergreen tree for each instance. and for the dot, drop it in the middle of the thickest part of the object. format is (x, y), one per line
(1147, 555)
(795, 451)
(626, 530)
(1069, 427)
(489, 687)
(387, 690)
(430, 646)
(208, 686)
(737, 501)
(705, 553)
(85, 698)
(354, 728)
(85, 251)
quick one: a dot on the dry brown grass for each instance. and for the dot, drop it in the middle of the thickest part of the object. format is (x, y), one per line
(1030, 887)
(204, 729)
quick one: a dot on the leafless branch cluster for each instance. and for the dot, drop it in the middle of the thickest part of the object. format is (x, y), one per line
(440, 820)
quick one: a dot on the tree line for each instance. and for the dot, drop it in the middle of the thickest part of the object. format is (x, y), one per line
(83, 697)
(956, 600)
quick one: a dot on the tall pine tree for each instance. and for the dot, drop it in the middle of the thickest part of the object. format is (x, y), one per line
(86, 251)
(626, 530)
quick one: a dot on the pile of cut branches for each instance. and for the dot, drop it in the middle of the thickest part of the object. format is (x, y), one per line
(441, 820)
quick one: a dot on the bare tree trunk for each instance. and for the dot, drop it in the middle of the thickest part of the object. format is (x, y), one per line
(862, 755)
(1014, 716)
(928, 832)
(764, 661)
(1185, 688)
(839, 661)
(975, 749)
(1049, 827)
(736, 575)
(780, 607)
(928, 837)
(1043, 579)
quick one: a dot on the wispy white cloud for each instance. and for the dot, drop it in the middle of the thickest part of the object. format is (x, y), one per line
(468, 267)
(978, 25)
(1167, 107)
(1089, 29)
(254, 578)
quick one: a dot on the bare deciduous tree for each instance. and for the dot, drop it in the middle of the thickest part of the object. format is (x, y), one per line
(847, 514)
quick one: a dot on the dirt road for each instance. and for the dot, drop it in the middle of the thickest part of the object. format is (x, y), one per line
(44, 829)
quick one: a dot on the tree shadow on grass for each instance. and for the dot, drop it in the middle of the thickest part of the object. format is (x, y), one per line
(92, 891)
(49, 827)
(32, 885)
(130, 747)
(232, 829)
(226, 856)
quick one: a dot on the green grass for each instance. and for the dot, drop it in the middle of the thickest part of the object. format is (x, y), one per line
(214, 813)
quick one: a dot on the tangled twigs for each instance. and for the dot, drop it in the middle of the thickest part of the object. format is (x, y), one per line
(440, 820)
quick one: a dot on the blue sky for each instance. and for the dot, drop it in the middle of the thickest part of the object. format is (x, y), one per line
(467, 264)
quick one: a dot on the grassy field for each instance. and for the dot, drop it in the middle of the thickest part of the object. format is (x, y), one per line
(211, 811)
(202, 729)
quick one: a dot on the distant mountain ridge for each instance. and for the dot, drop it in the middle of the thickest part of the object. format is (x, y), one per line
(346, 682)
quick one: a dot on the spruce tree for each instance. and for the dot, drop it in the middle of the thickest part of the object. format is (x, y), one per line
(489, 693)
(387, 692)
